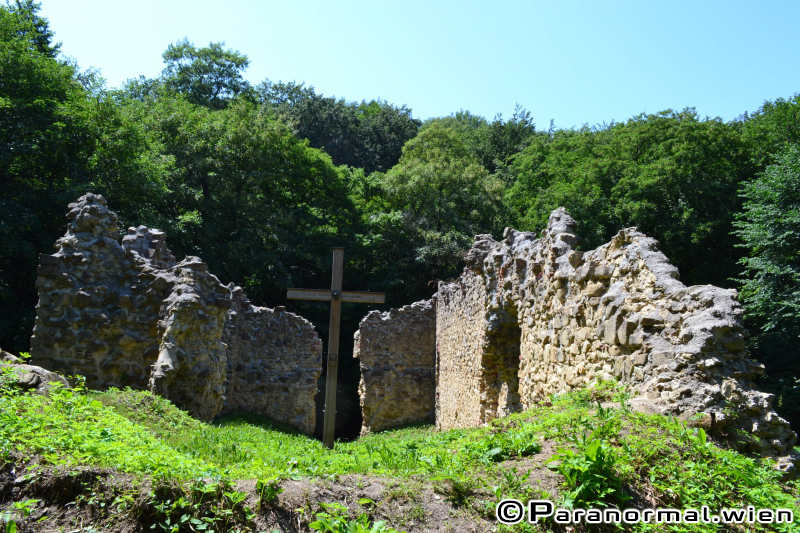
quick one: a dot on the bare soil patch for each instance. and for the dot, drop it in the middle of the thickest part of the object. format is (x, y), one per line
(80, 499)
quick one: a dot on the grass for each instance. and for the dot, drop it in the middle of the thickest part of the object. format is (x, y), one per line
(247, 446)
(73, 429)
(607, 456)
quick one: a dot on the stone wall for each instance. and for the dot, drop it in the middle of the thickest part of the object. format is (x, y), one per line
(397, 354)
(190, 368)
(559, 318)
(460, 334)
(130, 315)
(528, 317)
(274, 362)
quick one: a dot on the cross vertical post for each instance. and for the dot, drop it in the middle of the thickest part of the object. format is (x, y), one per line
(335, 296)
(333, 349)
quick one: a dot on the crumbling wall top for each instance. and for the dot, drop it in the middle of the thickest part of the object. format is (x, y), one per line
(130, 315)
(149, 244)
(618, 311)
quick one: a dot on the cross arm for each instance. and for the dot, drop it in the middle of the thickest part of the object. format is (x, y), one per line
(346, 296)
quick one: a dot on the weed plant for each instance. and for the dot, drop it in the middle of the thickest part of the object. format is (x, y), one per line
(336, 519)
(608, 457)
(17, 511)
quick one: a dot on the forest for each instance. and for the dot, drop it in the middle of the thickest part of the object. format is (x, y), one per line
(262, 180)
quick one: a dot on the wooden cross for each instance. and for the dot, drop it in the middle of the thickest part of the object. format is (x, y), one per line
(335, 296)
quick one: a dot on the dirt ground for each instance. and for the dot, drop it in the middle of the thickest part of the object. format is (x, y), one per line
(87, 499)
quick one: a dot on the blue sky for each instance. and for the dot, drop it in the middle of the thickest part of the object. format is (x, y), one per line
(570, 61)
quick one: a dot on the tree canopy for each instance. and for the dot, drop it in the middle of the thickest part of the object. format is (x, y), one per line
(58, 139)
(664, 173)
(769, 227)
(261, 180)
(209, 76)
(367, 135)
(424, 212)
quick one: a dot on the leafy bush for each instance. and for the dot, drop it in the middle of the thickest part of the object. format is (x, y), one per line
(335, 519)
(17, 510)
(195, 506)
(591, 477)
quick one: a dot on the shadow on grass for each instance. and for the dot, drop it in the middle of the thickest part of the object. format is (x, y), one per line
(243, 418)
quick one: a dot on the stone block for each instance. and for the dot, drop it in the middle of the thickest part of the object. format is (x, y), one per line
(45, 259)
(594, 289)
(639, 359)
(624, 331)
(636, 338)
(610, 329)
(47, 270)
(82, 299)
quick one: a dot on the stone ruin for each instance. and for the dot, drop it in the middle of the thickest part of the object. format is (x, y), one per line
(531, 317)
(397, 355)
(274, 362)
(527, 318)
(16, 372)
(130, 315)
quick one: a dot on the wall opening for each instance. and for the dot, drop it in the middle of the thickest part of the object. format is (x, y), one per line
(348, 407)
(500, 384)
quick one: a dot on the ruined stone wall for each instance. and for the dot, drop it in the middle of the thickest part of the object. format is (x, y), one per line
(397, 354)
(274, 362)
(460, 335)
(618, 311)
(94, 303)
(129, 315)
(190, 368)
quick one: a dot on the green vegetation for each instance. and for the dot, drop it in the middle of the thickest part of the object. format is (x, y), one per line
(769, 227)
(665, 173)
(19, 511)
(245, 446)
(262, 180)
(606, 456)
(365, 135)
(335, 519)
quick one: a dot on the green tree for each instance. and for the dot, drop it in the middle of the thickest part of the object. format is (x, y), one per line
(32, 27)
(672, 174)
(423, 213)
(492, 143)
(775, 125)
(37, 158)
(61, 135)
(368, 135)
(259, 205)
(769, 227)
(209, 76)
(442, 186)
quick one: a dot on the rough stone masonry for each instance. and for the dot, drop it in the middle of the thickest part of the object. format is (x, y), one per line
(527, 318)
(530, 317)
(130, 315)
(274, 361)
(397, 355)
